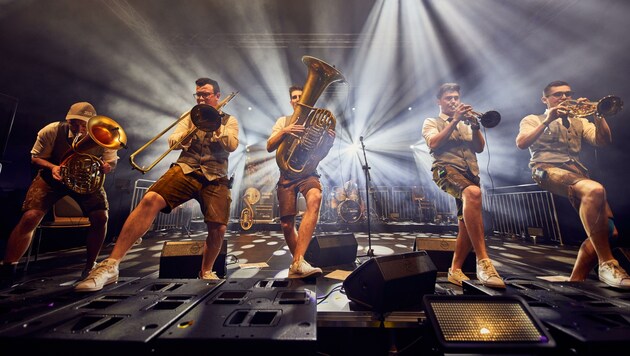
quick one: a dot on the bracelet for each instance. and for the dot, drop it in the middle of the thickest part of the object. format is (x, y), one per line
(475, 126)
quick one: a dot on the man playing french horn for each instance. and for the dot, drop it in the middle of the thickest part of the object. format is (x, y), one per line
(555, 140)
(288, 187)
(54, 143)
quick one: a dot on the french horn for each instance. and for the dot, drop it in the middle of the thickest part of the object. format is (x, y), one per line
(81, 171)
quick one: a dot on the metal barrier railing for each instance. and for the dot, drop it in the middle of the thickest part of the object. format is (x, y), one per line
(179, 218)
(523, 210)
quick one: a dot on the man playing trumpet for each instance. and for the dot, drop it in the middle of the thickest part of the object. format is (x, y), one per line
(454, 139)
(555, 140)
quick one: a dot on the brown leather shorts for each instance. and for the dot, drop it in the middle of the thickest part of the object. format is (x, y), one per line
(560, 179)
(288, 190)
(453, 181)
(42, 194)
(176, 188)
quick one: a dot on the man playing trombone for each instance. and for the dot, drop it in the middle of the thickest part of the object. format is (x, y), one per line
(200, 173)
(555, 140)
(454, 139)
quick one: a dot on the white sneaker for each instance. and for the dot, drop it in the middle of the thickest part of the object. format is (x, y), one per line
(209, 275)
(302, 269)
(457, 277)
(103, 274)
(612, 274)
(487, 275)
(86, 272)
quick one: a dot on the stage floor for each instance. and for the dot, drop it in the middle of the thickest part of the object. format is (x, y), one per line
(257, 262)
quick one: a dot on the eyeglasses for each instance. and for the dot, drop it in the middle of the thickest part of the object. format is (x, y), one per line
(295, 97)
(202, 95)
(559, 94)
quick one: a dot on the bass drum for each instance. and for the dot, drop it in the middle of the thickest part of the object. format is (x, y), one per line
(350, 211)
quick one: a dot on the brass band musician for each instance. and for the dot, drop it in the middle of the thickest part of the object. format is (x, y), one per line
(454, 139)
(200, 173)
(288, 188)
(555, 140)
(54, 142)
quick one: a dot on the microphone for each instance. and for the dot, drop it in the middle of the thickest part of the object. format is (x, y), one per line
(361, 138)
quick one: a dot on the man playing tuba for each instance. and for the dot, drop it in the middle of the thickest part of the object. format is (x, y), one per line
(289, 184)
(52, 145)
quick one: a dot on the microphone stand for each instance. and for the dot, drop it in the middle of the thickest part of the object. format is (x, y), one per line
(366, 169)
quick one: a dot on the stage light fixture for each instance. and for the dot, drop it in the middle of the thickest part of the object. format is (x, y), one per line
(474, 323)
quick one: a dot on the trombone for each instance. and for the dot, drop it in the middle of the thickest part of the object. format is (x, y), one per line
(204, 117)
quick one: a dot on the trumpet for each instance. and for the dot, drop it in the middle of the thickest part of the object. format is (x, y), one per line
(489, 119)
(204, 117)
(607, 106)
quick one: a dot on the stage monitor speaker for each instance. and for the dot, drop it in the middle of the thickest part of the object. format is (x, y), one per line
(474, 324)
(393, 282)
(332, 250)
(441, 250)
(182, 259)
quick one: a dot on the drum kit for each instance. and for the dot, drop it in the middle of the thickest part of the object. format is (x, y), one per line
(347, 205)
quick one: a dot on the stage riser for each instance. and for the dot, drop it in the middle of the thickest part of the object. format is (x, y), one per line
(166, 316)
(36, 298)
(135, 311)
(247, 315)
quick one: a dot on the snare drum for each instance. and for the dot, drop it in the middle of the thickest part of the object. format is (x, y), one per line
(349, 211)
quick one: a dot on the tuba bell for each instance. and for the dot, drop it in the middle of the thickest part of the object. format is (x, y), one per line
(300, 155)
(81, 171)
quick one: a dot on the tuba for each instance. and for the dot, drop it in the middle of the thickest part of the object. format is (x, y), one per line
(301, 154)
(82, 172)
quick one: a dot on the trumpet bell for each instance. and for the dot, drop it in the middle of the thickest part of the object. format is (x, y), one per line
(490, 119)
(609, 105)
(205, 117)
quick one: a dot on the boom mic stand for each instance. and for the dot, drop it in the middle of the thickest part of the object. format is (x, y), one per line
(366, 169)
